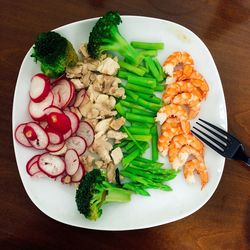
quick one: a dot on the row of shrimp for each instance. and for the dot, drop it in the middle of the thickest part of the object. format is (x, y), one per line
(185, 89)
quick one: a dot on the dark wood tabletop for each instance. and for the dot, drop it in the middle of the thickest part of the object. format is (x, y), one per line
(224, 221)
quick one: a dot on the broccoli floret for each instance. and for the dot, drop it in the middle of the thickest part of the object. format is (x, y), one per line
(54, 52)
(94, 191)
(105, 36)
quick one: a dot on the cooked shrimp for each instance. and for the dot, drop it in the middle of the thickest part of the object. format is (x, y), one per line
(190, 100)
(166, 137)
(178, 88)
(179, 157)
(173, 122)
(179, 66)
(173, 110)
(201, 169)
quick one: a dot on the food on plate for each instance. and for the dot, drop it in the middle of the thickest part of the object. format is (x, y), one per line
(185, 89)
(54, 52)
(94, 191)
(94, 115)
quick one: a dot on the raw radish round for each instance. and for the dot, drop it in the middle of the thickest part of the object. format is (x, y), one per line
(59, 122)
(67, 135)
(63, 76)
(55, 147)
(73, 119)
(79, 174)
(34, 169)
(40, 174)
(79, 98)
(64, 90)
(20, 136)
(77, 143)
(73, 99)
(72, 161)
(60, 152)
(33, 160)
(55, 136)
(39, 87)
(36, 110)
(51, 165)
(86, 131)
(30, 133)
(51, 109)
(42, 140)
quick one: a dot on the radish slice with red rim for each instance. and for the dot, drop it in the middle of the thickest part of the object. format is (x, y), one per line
(67, 135)
(73, 99)
(42, 140)
(39, 87)
(51, 109)
(77, 177)
(60, 152)
(36, 110)
(63, 76)
(51, 165)
(77, 143)
(55, 147)
(86, 131)
(33, 160)
(30, 133)
(55, 137)
(34, 169)
(40, 174)
(71, 161)
(79, 98)
(73, 119)
(20, 136)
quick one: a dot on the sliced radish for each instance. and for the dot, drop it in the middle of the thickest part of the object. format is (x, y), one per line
(42, 140)
(60, 122)
(57, 99)
(20, 136)
(51, 109)
(77, 143)
(29, 164)
(36, 110)
(39, 87)
(79, 174)
(71, 161)
(43, 124)
(60, 152)
(63, 76)
(55, 136)
(86, 131)
(55, 147)
(34, 169)
(64, 90)
(51, 165)
(74, 120)
(73, 99)
(67, 135)
(77, 112)
(40, 174)
(79, 98)
(29, 133)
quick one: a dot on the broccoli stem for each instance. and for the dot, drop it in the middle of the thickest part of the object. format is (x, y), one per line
(142, 81)
(117, 195)
(147, 45)
(134, 69)
(139, 118)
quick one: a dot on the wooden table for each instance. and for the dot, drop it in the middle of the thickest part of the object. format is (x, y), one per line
(224, 222)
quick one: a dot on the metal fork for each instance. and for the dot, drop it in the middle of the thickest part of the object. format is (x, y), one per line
(223, 143)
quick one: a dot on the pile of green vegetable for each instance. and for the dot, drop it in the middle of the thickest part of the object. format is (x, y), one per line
(143, 77)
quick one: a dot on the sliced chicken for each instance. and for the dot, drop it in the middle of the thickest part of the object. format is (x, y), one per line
(117, 155)
(108, 66)
(112, 134)
(116, 124)
(103, 125)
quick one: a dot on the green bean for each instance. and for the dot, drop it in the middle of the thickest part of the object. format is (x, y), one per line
(148, 161)
(128, 104)
(150, 98)
(145, 138)
(129, 145)
(132, 68)
(124, 74)
(137, 88)
(135, 187)
(159, 67)
(142, 81)
(147, 45)
(153, 69)
(150, 53)
(139, 118)
(132, 137)
(159, 88)
(120, 109)
(141, 124)
(123, 143)
(154, 143)
(142, 112)
(139, 131)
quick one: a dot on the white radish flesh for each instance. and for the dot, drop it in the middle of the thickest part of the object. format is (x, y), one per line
(20, 136)
(73, 119)
(39, 87)
(79, 174)
(77, 143)
(86, 131)
(51, 165)
(55, 137)
(79, 98)
(71, 161)
(67, 135)
(29, 164)
(51, 109)
(42, 140)
(36, 110)
(55, 147)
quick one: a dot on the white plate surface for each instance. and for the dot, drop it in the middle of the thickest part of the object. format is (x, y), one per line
(57, 200)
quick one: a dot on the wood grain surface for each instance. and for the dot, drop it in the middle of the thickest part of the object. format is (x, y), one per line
(224, 222)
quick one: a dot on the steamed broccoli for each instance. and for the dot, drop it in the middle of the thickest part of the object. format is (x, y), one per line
(105, 36)
(54, 52)
(94, 191)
